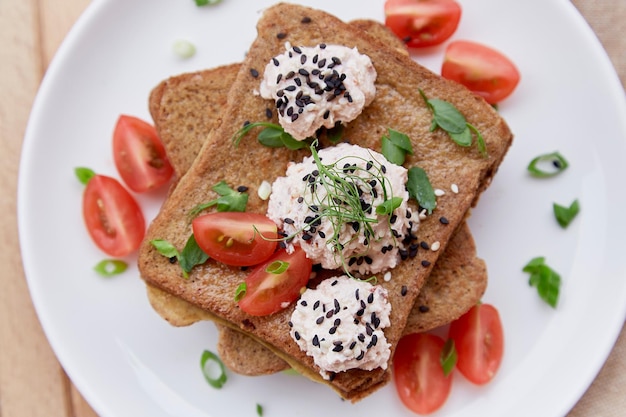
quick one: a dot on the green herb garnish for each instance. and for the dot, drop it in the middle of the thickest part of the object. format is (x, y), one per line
(190, 256)
(547, 281)
(448, 357)
(419, 188)
(259, 410)
(388, 206)
(565, 215)
(228, 200)
(84, 174)
(240, 292)
(207, 362)
(449, 118)
(396, 146)
(547, 165)
(273, 136)
(110, 267)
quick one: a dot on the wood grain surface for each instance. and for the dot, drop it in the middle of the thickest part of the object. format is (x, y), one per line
(32, 383)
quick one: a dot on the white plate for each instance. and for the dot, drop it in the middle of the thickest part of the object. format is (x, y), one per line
(128, 362)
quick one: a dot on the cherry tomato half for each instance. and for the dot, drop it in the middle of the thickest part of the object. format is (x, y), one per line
(422, 23)
(479, 341)
(236, 238)
(418, 374)
(268, 292)
(139, 155)
(481, 69)
(112, 216)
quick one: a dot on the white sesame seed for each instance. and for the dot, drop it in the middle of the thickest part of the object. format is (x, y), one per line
(435, 246)
(439, 192)
(454, 188)
(422, 215)
(265, 189)
(387, 276)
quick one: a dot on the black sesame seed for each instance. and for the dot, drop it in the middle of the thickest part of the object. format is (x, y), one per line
(281, 35)
(361, 337)
(326, 114)
(361, 355)
(368, 329)
(268, 113)
(322, 46)
(443, 220)
(393, 219)
(367, 259)
(330, 313)
(297, 50)
(296, 335)
(290, 75)
(360, 312)
(332, 330)
(338, 348)
(315, 341)
(294, 117)
(300, 200)
(321, 234)
(303, 59)
(423, 309)
(298, 82)
(352, 345)
(316, 305)
(336, 60)
(275, 61)
(424, 245)
(404, 290)
(242, 188)
(254, 72)
(173, 259)
(337, 322)
(337, 306)
(303, 303)
(290, 88)
(290, 323)
(370, 298)
(303, 72)
(288, 220)
(306, 237)
(321, 63)
(425, 263)
(305, 20)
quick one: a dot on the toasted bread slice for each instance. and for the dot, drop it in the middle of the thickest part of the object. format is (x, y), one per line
(184, 108)
(211, 286)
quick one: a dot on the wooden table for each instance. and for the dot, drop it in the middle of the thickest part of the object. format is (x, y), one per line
(32, 383)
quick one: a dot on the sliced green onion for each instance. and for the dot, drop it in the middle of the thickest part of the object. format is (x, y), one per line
(207, 2)
(277, 267)
(547, 165)
(240, 292)
(448, 357)
(110, 267)
(565, 215)
(184, 48)
(207, 364)
(388, 206)
(84, 174)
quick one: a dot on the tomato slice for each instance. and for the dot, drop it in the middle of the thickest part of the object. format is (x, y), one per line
(268, 292)
(481, 69)
(139, 155)
(112, 216)
(235, 238)
(422, 23)
(418, 374)
(479, 341)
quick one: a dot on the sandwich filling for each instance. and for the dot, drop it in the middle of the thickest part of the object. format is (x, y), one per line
(318, 86)
(340, 325)
(347, 207)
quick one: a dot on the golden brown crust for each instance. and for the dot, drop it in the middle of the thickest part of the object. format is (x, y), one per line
(212, 285)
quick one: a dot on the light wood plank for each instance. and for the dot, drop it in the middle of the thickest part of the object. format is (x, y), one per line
(28, 368)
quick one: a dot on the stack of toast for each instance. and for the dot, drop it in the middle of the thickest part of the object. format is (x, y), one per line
(198, 114)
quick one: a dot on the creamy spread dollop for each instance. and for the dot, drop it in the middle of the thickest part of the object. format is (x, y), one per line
(340, 325)
(330, 209)
(318, 86)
